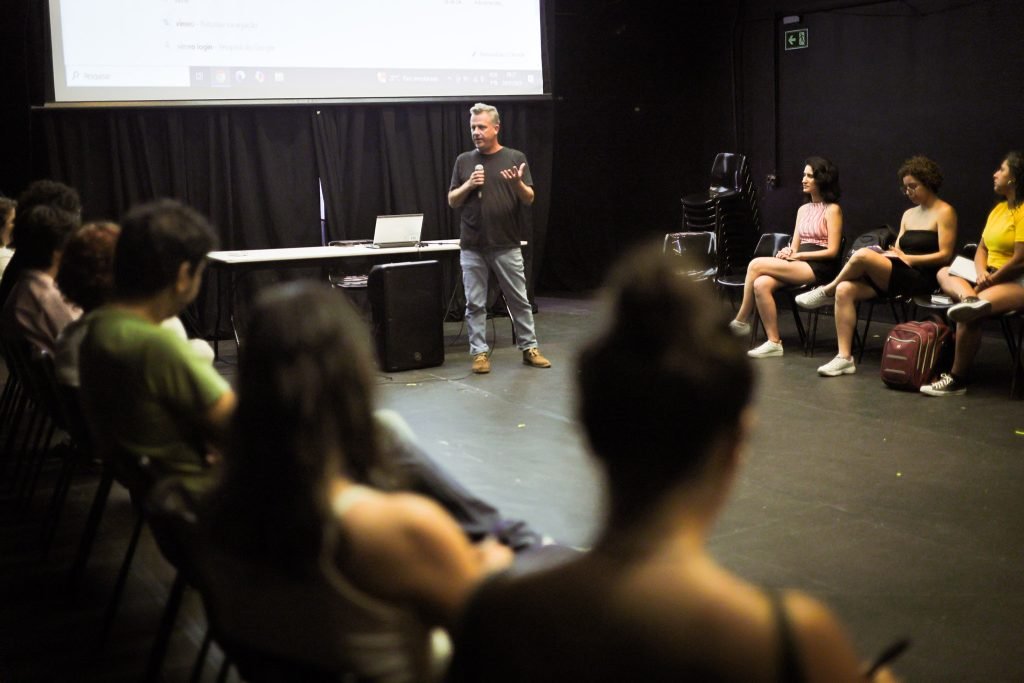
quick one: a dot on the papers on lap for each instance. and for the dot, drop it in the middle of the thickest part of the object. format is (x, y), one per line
(964, 267)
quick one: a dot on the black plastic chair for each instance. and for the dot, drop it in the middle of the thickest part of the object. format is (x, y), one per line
(810, 337)
(273, 627)
(768, 244)
(698, 251)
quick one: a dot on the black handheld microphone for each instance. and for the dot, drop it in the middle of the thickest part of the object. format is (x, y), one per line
(480, 192)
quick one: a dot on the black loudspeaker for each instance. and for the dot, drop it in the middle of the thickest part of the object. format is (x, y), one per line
(407, 307)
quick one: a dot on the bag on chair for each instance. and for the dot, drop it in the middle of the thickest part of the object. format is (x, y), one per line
(883, 237)
(912, 353)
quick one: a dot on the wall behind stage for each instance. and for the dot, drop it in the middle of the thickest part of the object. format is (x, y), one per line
(644, 98)
(881, 82)
(643, 103)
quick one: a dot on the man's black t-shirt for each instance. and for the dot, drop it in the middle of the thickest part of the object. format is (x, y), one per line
(490, 215)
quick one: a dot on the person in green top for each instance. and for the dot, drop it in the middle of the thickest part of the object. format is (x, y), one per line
(144, 392)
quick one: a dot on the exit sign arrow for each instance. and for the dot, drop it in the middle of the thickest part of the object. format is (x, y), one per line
(796, 40)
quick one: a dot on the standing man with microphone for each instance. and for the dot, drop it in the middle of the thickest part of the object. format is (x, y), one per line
(489, 184)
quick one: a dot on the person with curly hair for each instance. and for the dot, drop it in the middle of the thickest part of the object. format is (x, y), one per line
(86, 278)
(925, 243)
(36, 310)
(999, 280)
(51, 193)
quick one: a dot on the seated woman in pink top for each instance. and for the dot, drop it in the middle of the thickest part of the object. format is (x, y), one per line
(809, 259)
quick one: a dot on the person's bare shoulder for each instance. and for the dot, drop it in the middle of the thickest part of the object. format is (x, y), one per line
(396, 527)
(946, 211)
(823, 646)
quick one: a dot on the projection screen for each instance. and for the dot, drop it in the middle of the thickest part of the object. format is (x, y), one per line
(139, 51)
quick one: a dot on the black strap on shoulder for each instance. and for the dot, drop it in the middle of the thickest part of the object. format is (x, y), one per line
(790, 670)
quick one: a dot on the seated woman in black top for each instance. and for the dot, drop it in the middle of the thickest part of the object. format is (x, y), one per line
(664, 398)
(925, 243)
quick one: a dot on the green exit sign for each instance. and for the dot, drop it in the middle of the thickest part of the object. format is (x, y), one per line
(797, 40)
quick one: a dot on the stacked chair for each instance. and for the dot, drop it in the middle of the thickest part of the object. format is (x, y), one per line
(729, 209)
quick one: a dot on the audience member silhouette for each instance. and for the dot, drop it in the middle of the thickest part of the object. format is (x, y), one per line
(39, 193)
(307, 509)
(664, 397)
(35, 309)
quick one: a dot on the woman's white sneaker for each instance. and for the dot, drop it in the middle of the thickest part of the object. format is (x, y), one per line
(837, 366)
(816, 298)
(739, 328)
(769, 349)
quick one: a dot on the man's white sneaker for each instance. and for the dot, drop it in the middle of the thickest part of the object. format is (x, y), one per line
(816, 298)
(837, 366)
(739, 328)
(769, 349)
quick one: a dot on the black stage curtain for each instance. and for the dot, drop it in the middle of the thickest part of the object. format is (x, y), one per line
(254, 170)
(251, 171)
(398, 159)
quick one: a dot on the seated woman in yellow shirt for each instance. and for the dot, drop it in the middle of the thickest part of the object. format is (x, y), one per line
(999, 282)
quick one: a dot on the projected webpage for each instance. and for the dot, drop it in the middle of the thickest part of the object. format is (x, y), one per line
(111, 50)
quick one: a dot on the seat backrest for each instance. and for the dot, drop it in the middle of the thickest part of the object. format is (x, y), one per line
(697, 245)
(316, 621)
(969, 250)
(770, 243)
(726, 172)
(698, 252)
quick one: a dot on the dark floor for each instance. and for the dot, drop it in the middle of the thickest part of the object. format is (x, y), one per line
(902, 512)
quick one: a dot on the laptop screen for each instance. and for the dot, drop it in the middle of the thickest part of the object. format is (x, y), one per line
(401, 230)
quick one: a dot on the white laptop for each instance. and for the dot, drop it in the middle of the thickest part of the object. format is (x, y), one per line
(397, 231)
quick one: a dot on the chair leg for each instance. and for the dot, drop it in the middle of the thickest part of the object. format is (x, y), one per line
(122, 579)
(1011, 343)
(511, 320)
(867, 329)
(812, 339)
(58, 498)
(204, 650)
(92, 525)
(10, 453)
(36, 456)
(800, 331)
(1017, 376)
(755, 324)
(166, 630)
(42, 451)
(225, 669)
(22, 451)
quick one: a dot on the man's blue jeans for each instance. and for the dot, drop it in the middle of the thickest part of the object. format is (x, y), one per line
(507, 265)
